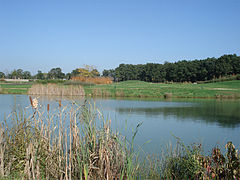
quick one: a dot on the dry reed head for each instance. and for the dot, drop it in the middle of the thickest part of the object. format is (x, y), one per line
(35, 103)
(60, 103)
(30, 98)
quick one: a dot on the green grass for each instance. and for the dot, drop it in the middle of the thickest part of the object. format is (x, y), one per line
(15, 88)
(227, 89)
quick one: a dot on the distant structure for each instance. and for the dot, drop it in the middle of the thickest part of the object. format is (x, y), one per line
(16, 80)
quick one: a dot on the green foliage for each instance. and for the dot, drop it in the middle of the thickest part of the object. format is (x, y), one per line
(183, 163)
(181, 71)
(86, 71)
(19, 74)
(2, 75)
(190, 163)
(238, 77)
(39, 75)
(55, 73)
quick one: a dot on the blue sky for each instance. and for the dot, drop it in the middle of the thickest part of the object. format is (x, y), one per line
(43, 34)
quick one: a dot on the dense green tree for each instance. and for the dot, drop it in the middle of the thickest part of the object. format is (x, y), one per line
(39, 75)
(55, 73)
(95, 73)
(16, 74)
(181, 71)
(68, 76)
(26, 75)
(109, 73)
(2, 75)
(86, 71)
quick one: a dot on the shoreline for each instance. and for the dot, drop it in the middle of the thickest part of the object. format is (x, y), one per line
(140, 89)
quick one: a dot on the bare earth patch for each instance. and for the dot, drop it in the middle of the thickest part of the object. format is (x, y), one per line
(224, 89)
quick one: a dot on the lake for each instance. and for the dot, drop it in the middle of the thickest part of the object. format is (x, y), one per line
(210, 122)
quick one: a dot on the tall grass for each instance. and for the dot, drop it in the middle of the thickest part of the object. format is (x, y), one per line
(55, 89)
(66, 144)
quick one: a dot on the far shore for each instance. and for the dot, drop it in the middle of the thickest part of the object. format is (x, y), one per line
(140, 89)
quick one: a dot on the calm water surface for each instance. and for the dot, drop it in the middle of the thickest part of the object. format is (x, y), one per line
(209, 122)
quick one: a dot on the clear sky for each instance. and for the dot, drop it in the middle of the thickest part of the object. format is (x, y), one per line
(43, 34)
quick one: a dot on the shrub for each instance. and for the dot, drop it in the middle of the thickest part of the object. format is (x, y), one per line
(238, 77)
(190, 163)
(94, 80)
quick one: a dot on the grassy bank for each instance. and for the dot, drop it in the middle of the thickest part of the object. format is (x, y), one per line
(66, 143)
(225, 89)
(14, 88)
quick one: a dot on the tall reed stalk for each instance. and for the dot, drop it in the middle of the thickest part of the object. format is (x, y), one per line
(63, 144)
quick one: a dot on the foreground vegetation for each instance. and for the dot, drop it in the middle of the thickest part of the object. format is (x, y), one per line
(68, 143)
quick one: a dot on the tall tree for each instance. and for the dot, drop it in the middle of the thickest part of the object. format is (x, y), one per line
(26, 75)
(55, 73)
(2, 75)
(39, 75)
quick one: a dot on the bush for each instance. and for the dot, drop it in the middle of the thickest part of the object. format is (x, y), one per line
(238, 77)
(190, 163)
(94, 80)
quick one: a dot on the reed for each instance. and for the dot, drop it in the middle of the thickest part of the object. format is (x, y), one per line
(55, 89)
(63, 144)
(76, 142)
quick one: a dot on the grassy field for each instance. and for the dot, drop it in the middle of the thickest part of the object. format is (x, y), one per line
(226, 89)
(14, 88)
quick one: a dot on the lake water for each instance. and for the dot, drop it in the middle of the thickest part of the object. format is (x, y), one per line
(210, 122)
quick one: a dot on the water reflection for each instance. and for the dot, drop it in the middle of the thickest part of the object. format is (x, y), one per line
(206, 121)
(225, 114)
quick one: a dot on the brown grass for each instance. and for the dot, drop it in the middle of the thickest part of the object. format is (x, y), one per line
(63, 145)
(58, 90)
(120, 93)
(94, 80)
(97, 92)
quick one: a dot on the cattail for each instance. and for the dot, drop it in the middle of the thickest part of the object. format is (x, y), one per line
(60, 103)
(30, 98)
(34, 103)
(47, 107)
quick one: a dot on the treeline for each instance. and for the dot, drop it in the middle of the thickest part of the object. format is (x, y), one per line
(54, 73)
(181, 71)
